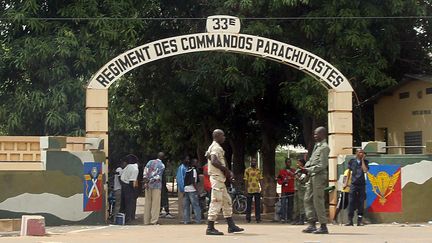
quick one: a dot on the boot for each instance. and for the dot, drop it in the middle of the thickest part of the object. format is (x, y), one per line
(211, 229)
(311, 228)
(360, 220)
(350, 222)
(232, 228)
(322, 229)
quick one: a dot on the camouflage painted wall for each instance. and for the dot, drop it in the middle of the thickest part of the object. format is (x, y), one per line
(56, 193)
(416, 184)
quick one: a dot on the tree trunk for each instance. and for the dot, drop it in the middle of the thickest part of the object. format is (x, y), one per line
(238, 146)
(268, 150)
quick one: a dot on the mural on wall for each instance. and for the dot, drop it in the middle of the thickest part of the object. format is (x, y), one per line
(57, 192)
(92, 186)
(383, 188)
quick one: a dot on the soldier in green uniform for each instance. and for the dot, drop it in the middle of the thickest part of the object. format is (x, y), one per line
(300, 189)
(316, 169)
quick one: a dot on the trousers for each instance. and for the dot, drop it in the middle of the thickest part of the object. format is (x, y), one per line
(357, 197)
(287, 205)
(314, 200)
(257, 199)
(220, 199)
(152, 205)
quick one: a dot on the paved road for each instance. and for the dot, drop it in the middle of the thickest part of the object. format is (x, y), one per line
(266, 233)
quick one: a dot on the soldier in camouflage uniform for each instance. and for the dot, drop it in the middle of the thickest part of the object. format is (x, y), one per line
(300, 189)
(316, 168)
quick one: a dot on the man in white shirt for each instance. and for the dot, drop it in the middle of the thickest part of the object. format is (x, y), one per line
(128, 180)
(117, 187)
(191, 195)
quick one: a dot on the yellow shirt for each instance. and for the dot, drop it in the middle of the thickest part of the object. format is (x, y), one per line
(215, 173)
(253, 176)
(347, 189)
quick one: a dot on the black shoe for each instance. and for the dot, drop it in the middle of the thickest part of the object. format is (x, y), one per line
(322, 230)
(359, 221)
(350, 223)
(211, 229)
(232, 228)
(258, 221)
(311, 228)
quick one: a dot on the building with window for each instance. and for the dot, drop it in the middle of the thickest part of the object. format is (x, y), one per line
(403, 115)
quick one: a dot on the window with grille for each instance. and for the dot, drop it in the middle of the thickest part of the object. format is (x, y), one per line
(403, 95)
(413, 139)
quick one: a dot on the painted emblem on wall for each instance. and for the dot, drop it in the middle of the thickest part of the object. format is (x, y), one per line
(92, 186)
(383, 189)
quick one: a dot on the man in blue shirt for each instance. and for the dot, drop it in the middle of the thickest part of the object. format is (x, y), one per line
(153, 184)
(358, 167)
(181, 172)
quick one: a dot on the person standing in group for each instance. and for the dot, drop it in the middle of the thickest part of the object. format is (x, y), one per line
(117, 188)
(300, 190)
(343, 198)
(219, 173)
(191, 195)
(253, 184)
(164, 197)
(128, 180)
(180, 175)
(153, 183)
(286, 179)
(358, 167)
(316, 169)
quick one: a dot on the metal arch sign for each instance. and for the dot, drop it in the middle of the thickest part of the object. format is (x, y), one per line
(223, 35)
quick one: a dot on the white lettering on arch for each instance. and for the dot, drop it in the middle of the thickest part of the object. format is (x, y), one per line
(231, 42)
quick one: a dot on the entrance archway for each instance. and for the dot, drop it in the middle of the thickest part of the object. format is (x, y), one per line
(223, 35)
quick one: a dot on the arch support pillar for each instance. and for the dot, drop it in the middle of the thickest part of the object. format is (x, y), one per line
(340, 128)
(97, 115)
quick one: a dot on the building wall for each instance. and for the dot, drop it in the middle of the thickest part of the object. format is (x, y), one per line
(55, 189)
(415, 184)
(403, 115)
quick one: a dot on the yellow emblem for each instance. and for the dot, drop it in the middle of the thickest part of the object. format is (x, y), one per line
(383, 184)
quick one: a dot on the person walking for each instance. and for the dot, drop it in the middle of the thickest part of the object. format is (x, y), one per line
(219, 173)
(286, 179)
(316, 169)
(153, 183)
(191, 195)
(358, 167)
(253, 184)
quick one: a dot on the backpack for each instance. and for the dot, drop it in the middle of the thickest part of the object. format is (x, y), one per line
(189, 177)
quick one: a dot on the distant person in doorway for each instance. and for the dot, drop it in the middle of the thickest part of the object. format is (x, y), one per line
(286, 179)
(253, 183)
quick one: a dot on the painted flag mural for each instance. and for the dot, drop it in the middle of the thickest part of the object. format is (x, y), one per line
(92, 186)
(383, 188)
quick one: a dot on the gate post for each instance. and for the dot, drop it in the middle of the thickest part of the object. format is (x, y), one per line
(97, 115)
(340, 127)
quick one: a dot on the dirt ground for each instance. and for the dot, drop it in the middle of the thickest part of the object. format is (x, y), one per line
(268, 231)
